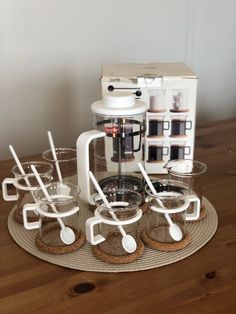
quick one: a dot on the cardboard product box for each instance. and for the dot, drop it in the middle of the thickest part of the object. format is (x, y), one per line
(169, 90)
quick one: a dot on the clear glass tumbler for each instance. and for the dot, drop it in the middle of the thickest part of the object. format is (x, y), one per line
(60, 232)
(66, 158)
(115, 225)
(166, 215)
(25, 184)
(190, 172)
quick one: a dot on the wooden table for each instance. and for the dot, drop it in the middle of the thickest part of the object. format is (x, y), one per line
(201, 283)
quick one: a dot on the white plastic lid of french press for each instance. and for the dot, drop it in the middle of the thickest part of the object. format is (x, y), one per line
(119, 104)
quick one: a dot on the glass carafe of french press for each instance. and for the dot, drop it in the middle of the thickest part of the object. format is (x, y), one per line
(119, 122)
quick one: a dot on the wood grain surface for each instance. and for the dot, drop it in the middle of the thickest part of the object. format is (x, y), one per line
(202, 283)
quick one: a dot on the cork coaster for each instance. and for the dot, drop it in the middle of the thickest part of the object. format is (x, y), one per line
(31, 216)
(112, 252)
(144, 207)
(178, 135)
(160, 110)
(180, 110)
(165, 246)
(56, 246)
(18, 215)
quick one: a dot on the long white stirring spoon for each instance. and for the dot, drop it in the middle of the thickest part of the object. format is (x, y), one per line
(54, 155)
(67, 234)
(174, 229)
(65, 190)
(19, 165)
(128, 242)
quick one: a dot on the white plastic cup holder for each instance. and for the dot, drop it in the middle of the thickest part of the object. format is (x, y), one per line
(196, 209)
(17, 185)
(91, 237)
(97, 219)
(193, 198)
(30, 225)
(6, 196)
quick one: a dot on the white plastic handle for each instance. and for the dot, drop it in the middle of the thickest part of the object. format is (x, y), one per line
(165, 150)
(82, 146)
(5, 194)
(188, 125)
(93, 239)
(196, 208)
(24, 187)
(168, 125)
(187, 150)
(30, 225)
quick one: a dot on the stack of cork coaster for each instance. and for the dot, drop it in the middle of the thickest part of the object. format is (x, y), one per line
(112, 252)
(166, 246)
(51, 242)
(84, 258)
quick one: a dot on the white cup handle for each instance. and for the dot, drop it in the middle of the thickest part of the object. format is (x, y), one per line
(93, 239)
(196, 209)
(30, 225)
(5, 194)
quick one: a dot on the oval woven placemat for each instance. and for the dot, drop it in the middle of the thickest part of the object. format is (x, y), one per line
(83, 259)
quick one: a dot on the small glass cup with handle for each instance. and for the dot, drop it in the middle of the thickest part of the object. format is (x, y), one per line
(167, 215)
(66, 158)
(116, 226)
(60, 232)
(25, 184)
(190, 172)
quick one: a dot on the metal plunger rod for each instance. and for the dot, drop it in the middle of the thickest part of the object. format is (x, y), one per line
(121, 128)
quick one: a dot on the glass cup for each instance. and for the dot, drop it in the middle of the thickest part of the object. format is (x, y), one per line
(25, 185)
(190, 172)
(60, 231)
(166, 214)
(156, 153)
(66, 158)
(156, 100)
(180, 99)
(179, 150)
(179, 127)
(157, 127)
(116, 226)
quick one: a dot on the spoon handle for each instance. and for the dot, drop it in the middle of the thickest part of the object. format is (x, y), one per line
(45, 192)
(54, 155)
(105, 201)
(19, 165)
(167, 217)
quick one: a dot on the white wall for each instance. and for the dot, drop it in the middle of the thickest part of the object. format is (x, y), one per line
(51, 54)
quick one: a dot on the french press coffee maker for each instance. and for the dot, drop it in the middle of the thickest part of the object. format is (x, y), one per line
(119, 122)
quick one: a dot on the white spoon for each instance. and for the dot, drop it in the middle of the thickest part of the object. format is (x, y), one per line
(19, 165)
(67, 234)
(128, 242)
(63, 189)
(54, 156)
(174, 230)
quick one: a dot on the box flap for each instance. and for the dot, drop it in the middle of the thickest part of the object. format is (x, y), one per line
(134, 70)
